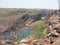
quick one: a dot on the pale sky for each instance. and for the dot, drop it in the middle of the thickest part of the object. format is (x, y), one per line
(40, 4)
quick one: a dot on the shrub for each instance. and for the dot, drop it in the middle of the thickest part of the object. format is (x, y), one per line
(39, 30)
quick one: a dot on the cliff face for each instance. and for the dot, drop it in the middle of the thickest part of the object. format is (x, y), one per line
(29, 19)
(53, 36)
(16, 18)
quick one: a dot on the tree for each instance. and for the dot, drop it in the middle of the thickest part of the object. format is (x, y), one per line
(39, 30)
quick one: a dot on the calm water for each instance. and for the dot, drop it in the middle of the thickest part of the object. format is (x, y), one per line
(18, 34)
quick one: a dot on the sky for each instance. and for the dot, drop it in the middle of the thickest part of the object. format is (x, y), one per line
(33, 4)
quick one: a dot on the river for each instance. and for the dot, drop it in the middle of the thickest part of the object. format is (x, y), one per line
(16, 35)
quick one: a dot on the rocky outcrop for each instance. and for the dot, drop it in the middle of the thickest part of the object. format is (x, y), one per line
(53, 36)
(53, 25)
(26, 41)
(21, 21)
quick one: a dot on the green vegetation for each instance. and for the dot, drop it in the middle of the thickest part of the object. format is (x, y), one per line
(40, 30)
(16, 37)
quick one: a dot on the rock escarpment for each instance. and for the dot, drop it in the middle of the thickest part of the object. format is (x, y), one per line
(53, 36)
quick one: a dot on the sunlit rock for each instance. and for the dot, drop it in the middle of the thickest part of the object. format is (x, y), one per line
(26, 41)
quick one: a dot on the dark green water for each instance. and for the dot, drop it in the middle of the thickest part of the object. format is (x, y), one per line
(16, 35)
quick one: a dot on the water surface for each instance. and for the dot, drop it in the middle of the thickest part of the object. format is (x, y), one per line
(16, 35)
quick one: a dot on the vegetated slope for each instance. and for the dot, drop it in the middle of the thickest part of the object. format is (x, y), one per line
(52, 22)
(10, 16)
(27, 20)
(7, 17)
(53, 36)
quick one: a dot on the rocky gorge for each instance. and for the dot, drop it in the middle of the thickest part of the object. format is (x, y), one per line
(53, 32)
(20, 29)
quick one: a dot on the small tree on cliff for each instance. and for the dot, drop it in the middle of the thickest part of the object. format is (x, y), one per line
(39, 30)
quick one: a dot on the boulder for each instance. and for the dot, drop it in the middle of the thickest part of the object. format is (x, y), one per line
(54, 33)
(36, 42)
(57, 26)
(26, 41)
